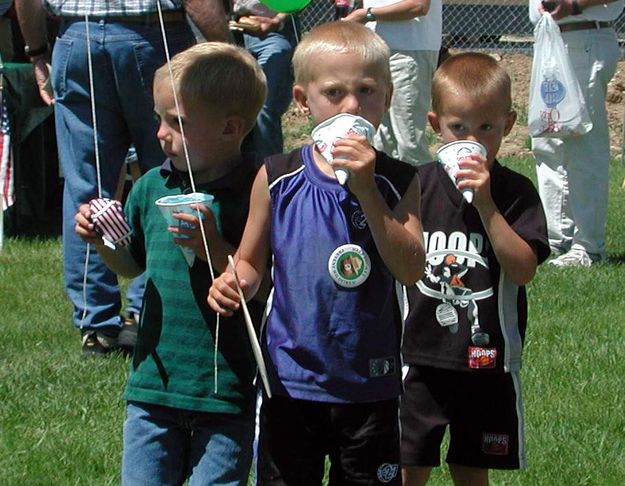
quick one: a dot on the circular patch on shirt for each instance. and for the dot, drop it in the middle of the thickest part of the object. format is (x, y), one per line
(349, 265)
(359, 220)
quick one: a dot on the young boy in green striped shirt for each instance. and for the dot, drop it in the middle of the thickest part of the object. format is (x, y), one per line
(190, 412)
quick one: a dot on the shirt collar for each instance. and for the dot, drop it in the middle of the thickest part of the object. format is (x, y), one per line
(235, 179)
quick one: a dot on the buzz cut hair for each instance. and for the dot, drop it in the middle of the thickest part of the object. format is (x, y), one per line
(217, 76)
(474, 75)
(339, 37)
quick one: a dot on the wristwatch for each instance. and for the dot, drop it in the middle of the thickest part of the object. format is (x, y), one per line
(370, 16)
(30, 52)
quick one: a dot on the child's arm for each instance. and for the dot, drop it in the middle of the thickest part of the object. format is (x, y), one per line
(119, 260)
(218, 247)
(398, 234)
(251, 257)
(517, 258)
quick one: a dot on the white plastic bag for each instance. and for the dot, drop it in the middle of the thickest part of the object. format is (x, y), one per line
(556, 105)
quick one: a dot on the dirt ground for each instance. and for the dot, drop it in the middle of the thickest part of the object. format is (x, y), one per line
(517, 143)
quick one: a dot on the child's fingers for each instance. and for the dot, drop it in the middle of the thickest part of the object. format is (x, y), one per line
(472, 160)
(223, 296)
(84, 220)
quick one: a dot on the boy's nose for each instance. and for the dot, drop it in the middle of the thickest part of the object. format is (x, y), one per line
(351, 105)
(161, 133)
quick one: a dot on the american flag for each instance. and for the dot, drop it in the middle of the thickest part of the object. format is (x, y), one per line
(6, 163)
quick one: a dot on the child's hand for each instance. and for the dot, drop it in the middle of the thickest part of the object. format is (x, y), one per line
(191, 234)
(85, 227)
(356, 155)
(223, 296)
(474, 174)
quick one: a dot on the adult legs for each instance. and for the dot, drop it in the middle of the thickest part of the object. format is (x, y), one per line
(573, 173)
(274, 53)
(402, 130)
(97, 300)
(124, 57)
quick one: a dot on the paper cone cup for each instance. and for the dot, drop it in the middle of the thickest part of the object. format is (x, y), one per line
(449, 155)
(181, 203)
(340, 126)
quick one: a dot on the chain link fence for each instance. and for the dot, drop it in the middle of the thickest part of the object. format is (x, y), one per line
(470, 24)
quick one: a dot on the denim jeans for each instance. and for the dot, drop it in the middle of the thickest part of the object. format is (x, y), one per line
(124, 58)
(166, 446)
(274, 53)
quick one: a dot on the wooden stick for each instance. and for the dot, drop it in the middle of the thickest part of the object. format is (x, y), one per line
(258, 355)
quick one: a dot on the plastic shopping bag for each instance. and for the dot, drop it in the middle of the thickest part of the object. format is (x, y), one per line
(556, 105)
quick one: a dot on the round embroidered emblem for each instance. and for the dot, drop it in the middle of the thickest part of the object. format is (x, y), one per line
(386, 472)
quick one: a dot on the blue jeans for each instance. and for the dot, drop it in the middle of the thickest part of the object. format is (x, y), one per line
(124, 58)
(166, 446)
(274, 53)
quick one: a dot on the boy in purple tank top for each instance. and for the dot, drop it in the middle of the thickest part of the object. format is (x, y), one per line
(333, 329)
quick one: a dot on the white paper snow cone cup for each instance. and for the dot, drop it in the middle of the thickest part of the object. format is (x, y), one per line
(450, 154)
(340, 126)
(181, 203)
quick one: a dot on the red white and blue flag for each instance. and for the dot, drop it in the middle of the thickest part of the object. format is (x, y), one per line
(6, 161)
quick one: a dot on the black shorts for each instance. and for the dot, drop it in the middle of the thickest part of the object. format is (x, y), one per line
(361, 439)
(484, 413)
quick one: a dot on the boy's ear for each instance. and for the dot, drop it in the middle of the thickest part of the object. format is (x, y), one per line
(510, 119)
(301, 100)
(233, 128)
(434, 121)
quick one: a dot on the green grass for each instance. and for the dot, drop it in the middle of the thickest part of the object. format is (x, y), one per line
(61, 417)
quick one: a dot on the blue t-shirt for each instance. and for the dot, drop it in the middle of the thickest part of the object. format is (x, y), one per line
(324, 341)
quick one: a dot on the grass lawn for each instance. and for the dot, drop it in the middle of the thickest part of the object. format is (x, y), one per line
(61, 417)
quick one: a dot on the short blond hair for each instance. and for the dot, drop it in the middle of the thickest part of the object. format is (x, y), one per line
(474, 75)
(218, 76)
(339, 37)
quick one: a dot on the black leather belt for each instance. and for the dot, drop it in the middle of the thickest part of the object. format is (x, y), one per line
(588, 25)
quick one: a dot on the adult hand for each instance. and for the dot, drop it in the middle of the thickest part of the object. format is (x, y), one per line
(558, 9)
(261, 26)
(357, 15)
(41, 70)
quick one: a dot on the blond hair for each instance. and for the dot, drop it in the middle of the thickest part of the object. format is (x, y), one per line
(339, 37)
(219, 77)
(474, 75)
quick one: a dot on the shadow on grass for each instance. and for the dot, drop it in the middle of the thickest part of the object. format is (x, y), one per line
(616, 259)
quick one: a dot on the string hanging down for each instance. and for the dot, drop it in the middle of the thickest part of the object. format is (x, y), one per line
(192, 182)
(94, 123)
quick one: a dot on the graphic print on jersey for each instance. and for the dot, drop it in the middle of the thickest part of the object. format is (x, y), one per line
(450, 260)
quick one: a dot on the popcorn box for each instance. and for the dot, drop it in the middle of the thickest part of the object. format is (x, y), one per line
(109, 222)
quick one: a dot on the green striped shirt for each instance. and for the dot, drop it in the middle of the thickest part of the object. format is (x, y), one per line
(172, 363)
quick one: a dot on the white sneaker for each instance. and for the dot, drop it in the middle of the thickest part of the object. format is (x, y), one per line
(576, 257)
